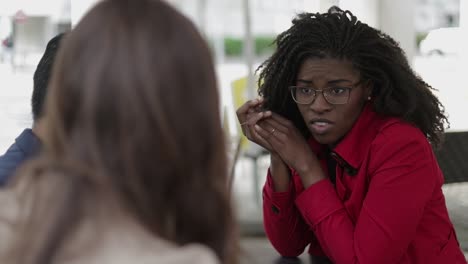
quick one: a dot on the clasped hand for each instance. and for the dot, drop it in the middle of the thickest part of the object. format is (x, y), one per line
(279, 136)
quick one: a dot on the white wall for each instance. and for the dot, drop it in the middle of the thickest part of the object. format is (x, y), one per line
(32, 35)
(79, 8)
(464, 29)
(397, 20)
(394, 17)
(49, 8)
(366, 11)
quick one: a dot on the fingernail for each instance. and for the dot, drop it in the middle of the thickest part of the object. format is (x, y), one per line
(257, 127)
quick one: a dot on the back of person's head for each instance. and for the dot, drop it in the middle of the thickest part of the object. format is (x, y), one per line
(133, 116)
(42, 75)
(337, 34)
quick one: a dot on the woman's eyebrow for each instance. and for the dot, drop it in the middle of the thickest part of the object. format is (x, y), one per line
(338, 81)
(304, 81)
(329, 82)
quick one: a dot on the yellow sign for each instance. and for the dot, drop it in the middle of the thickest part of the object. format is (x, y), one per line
(239, 96)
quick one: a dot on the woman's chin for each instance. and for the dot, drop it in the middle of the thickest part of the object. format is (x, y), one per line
(324, 139)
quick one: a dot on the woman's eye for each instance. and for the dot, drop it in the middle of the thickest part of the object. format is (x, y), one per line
(305, 90)
(337, 90)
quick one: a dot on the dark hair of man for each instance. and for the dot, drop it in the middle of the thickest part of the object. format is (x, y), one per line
(337, 34)
(42, 76)
(133, 116)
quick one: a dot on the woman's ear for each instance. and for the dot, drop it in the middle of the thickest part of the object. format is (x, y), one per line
(368, 87)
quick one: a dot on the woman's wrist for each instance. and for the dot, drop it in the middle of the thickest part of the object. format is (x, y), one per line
(276, 160)
(310, 173)
(279, 173)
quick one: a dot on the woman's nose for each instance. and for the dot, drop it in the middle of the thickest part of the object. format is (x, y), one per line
(320, 104)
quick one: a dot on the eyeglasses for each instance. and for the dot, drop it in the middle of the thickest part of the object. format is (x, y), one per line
(335, 95)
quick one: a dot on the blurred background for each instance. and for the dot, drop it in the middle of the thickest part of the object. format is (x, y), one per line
(433, 33)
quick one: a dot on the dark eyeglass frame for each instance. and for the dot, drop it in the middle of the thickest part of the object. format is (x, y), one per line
(348, 88)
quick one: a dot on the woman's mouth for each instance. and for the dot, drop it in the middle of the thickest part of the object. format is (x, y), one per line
(320, 127)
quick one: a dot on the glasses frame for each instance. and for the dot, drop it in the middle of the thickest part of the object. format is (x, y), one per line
(349, 89)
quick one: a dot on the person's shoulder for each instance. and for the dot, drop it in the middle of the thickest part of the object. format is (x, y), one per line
(28, 143)
(24, 148)
(12, 154)
(125, 241)
(9, 161)
(392, 127)
(395, 135)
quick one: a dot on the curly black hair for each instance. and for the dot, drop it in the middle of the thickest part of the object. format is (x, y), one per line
(397, 90)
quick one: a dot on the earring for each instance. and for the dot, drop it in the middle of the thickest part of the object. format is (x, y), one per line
(369, 98)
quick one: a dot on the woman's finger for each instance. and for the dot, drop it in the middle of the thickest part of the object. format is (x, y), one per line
(262, 141)
(253, 118)
(283, 121)
(264, 133)
(252, 135)
(269, 123)
(248, 127)
(244, 109)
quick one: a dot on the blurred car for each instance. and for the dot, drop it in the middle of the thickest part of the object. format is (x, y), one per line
(442, 41)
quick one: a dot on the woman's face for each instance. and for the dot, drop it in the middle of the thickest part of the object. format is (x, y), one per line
(327, 122)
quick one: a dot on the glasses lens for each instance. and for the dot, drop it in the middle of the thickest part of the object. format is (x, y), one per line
(302, 95)
(337, 95)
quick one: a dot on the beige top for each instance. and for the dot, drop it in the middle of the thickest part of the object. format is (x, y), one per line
(114, 238)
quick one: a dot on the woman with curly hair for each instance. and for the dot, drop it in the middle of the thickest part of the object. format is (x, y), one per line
(350, 129)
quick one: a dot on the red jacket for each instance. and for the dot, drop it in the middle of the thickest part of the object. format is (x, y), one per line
(387, 205)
